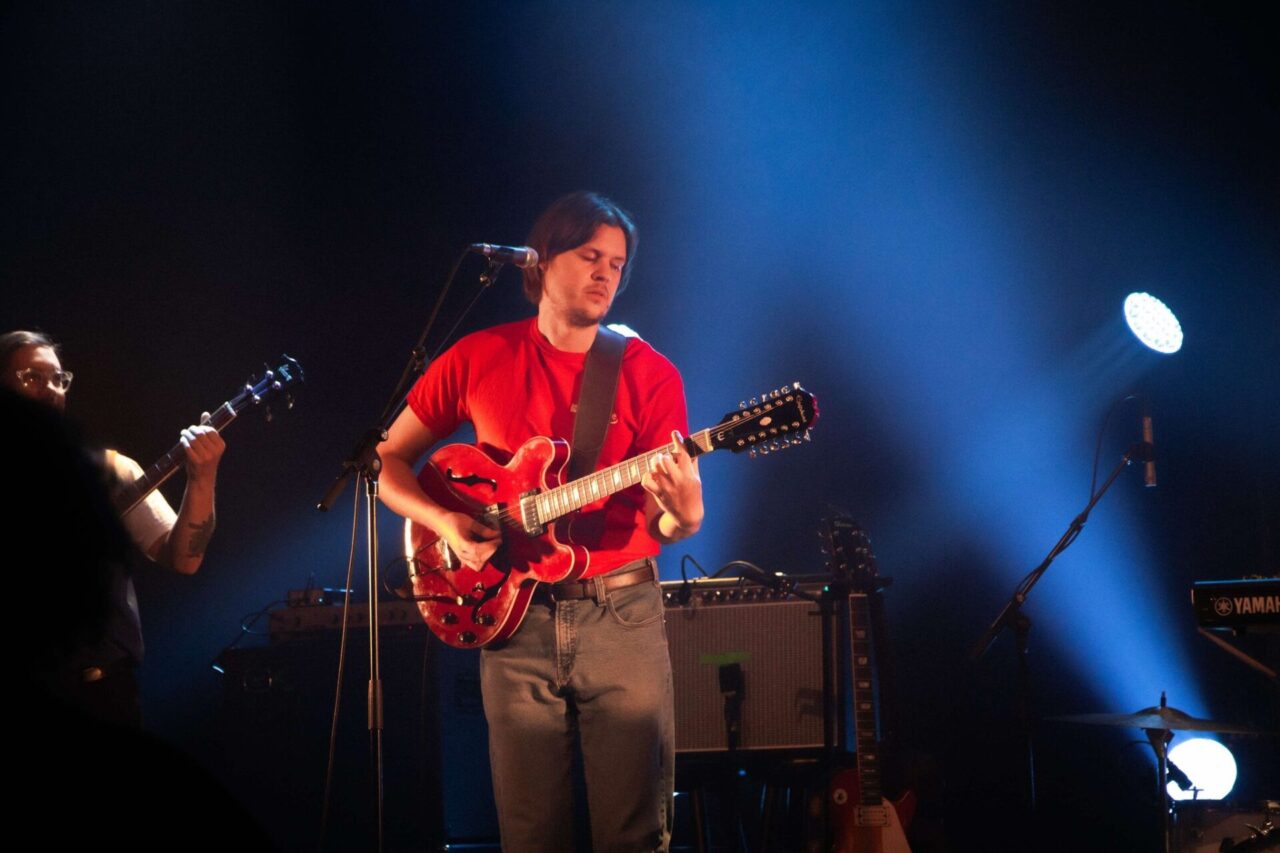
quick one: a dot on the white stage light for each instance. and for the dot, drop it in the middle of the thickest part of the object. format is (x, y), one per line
(1209, 765)
(1153, 323)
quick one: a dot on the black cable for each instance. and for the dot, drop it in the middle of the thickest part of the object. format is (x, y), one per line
(688, 558)
(1097, 451)
(1078, 524)
(246, 628)
(342, 662)
(474, 299)
(418, 352)
(735, 563)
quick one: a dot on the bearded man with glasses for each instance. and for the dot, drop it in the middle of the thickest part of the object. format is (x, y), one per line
(100, 678)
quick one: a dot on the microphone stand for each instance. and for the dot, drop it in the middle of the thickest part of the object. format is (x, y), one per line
(365, 465)
(1012, 616)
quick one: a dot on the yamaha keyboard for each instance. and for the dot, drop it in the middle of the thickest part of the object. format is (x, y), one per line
(1251, 604)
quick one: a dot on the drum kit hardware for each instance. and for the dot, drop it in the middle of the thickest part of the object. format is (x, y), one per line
(1159, 723)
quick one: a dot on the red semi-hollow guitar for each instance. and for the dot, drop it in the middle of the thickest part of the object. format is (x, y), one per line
(528, 500)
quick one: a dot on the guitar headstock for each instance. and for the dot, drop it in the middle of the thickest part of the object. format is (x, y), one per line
(850, 549)
(277, 382)
(775, 420)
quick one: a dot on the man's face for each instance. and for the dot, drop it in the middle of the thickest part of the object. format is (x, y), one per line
(578, 285)
(40, 370)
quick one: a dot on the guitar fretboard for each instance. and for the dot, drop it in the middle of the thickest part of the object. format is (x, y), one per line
(129, 496)
(864, 700)
(565, 499)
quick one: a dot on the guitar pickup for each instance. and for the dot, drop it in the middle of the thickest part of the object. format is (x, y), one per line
(529, 518)
(871, 816)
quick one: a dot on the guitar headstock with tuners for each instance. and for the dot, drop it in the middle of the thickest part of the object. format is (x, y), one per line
(775, 420)
(262, 392)
(849, 547)
(274, 383)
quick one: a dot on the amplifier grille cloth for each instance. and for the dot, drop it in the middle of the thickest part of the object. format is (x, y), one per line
(778, 645)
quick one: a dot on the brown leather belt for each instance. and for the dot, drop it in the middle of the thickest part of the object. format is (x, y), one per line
(640, 571)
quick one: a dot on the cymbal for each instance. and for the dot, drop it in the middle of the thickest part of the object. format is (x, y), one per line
(1163, 717)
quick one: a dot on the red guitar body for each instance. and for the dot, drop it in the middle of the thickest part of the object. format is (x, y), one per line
(468, 608)
(854, 832)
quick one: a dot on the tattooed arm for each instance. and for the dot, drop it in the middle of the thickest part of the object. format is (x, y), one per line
(183, 549)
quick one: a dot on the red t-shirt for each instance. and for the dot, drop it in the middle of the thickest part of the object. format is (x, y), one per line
(511, 384)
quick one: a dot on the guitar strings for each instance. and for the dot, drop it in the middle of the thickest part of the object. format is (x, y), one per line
(512, 517)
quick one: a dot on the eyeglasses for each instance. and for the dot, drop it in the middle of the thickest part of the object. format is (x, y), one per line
(33, 377)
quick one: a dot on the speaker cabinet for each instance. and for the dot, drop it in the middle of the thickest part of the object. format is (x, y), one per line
(274, 732)
(748, 646)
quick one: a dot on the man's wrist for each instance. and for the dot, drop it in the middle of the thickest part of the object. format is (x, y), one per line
(674, 528)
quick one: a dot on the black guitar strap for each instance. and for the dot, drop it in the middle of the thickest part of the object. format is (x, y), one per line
(595, 401)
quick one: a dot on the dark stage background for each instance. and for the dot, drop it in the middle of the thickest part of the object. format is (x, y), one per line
(929, 213)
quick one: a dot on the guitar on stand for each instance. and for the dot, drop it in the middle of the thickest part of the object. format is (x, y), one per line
(863, 821)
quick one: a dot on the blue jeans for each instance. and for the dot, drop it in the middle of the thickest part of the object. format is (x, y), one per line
(599, 671)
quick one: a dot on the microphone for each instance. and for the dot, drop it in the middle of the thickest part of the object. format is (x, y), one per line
(1148, 446)
(521, 256)
(1178, 776)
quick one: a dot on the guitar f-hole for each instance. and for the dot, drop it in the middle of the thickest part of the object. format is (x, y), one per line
(470, 479)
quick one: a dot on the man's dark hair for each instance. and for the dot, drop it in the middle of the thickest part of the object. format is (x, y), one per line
(11, 342)
(567, 224)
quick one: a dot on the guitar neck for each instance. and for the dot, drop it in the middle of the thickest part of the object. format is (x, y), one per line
(565, 499)
(864, 699)
(128, 496)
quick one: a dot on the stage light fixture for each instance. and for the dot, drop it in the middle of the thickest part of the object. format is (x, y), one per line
(1153, 323)
(1210, 766)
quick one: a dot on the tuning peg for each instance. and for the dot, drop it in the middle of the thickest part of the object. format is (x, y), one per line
(751, 453)
(742, 404)
(763, 448)
(754, 401)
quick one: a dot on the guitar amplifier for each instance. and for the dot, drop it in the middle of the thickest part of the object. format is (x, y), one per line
(749, 652)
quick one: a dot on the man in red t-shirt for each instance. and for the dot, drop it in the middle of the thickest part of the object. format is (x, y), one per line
(590, 660)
